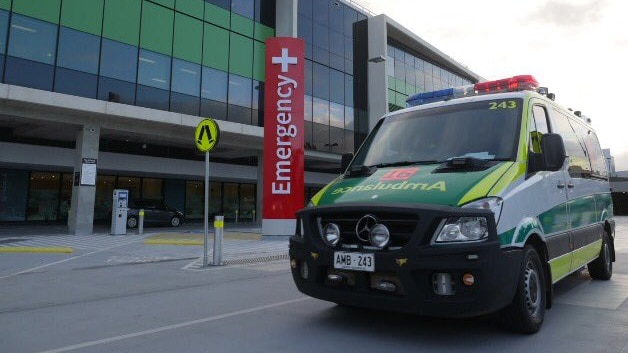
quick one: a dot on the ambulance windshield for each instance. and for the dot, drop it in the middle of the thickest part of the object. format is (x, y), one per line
(485, 130)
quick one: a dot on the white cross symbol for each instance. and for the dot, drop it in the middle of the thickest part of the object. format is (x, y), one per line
(284, 60)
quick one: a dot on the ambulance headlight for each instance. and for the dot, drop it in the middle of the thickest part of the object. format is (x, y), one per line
(490, 203)
(331, 234)
(462, 229)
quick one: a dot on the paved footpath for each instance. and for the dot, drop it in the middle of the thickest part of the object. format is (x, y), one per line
(241, 245)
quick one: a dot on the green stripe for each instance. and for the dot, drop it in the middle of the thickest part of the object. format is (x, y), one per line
(506, 237)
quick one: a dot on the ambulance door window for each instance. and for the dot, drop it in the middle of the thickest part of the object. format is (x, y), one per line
(538, 127)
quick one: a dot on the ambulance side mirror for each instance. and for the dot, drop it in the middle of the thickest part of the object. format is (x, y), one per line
(553, 149)
(344, 162)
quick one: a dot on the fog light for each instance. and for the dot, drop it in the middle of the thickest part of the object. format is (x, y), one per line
(379, 236)
(335, 280)
(305, 270)
(468, 279)
(293, 263)
(386, 286)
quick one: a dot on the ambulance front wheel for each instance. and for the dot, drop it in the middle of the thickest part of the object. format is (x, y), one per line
(527, 310)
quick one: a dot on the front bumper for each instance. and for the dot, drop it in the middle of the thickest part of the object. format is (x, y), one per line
(413, 269)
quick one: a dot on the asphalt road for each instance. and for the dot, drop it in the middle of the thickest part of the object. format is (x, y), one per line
(86, 303)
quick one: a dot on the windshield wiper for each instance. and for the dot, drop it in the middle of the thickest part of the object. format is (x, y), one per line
(404, 163)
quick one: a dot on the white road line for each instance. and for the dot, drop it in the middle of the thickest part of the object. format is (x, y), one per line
(65, 260)
(172, 327)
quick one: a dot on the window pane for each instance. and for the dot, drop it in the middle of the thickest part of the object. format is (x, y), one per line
(321, 111)
(214, 84)
(28, 73)
(113, 90)
(150, 97)
(247, 202)
(321, 36)
(32, 39)
(349, 118)
(157, 28)
(4, 25)
(245, 8)
(336, 115)
(240, 91)
(350, 16)
(194, 196)
(122, 20)
(225, 4)
(152, 189)
(337, 86)
(213, 109)
(154, 70)
(188, 34)
(336, 16)
(321, 81)
(118, 60)
(184, 104)
(13, 191)
(349, 90)
(241, 55)
(43, 200)
(78, 51)
(132, 184)
(75, 83)
(232, 201)
(186, 77)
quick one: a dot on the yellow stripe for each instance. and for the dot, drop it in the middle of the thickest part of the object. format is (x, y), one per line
(29, 249)
(219, 224)
(517, 171)
(484, 186)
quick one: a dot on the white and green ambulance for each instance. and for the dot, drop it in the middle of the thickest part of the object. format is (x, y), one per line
(473, 200)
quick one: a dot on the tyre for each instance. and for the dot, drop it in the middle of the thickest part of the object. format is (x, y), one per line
(526, 312)
(175, 221)
(602, 267)
(131, 222)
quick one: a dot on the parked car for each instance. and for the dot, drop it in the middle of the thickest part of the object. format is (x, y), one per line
(156, 212)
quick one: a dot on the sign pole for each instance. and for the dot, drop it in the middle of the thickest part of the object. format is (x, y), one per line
(206, 221)
(206, 137)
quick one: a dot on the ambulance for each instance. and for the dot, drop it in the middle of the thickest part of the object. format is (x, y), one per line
(472, 200)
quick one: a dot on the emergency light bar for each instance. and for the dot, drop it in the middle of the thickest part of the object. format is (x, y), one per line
(516, 83)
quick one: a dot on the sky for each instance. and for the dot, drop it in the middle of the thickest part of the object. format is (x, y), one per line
(576, 48)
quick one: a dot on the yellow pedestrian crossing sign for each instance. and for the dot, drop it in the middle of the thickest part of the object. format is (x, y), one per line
(207, 135)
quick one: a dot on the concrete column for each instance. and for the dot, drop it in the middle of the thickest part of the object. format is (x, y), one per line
(259, 202)
(377, 79)
(84, 196)
(286, 18)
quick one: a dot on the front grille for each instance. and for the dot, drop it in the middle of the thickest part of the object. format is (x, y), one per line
(401, 227)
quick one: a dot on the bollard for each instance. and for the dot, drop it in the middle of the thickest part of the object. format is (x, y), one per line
(237, 213)
(140, 224)
(219, 225)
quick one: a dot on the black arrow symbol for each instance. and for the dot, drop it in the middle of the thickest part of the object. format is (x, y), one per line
(204, 129)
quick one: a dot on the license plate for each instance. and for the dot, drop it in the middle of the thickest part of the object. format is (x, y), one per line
(354, 261)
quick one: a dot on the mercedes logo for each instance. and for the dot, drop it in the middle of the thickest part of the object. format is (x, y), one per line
(364, 226)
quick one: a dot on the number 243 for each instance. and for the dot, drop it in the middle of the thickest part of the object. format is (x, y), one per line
(502, 105)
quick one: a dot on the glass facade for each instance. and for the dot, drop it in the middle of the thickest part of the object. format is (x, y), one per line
(46, 196)
(196, 57)
(409, 74)
(327, 28)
